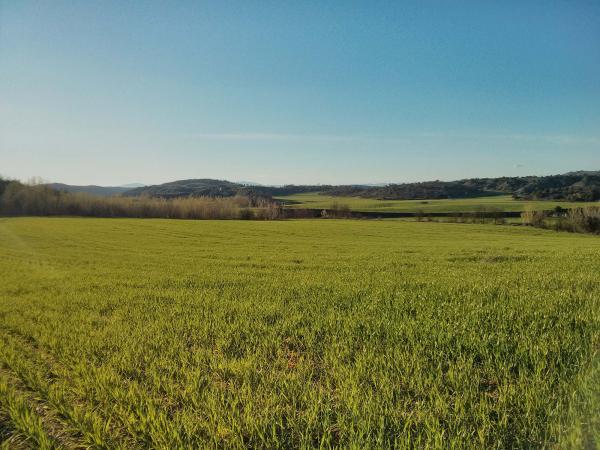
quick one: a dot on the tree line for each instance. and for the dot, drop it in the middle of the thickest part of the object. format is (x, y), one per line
(575, 186)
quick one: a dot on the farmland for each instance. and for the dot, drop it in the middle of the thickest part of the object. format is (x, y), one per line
(130, 333)
(503, 202)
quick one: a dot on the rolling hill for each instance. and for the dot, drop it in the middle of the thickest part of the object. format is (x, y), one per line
(572, 186)
(217, 188)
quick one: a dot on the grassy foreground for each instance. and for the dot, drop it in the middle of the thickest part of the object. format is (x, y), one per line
(503, 202)
(125, 333)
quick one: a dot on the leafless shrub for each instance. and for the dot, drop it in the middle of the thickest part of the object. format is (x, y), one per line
(533, 218)
(339, 210)
(272, 211)
(581, 220)
(39, 200)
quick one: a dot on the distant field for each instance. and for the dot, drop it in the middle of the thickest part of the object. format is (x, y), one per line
(505, 202)
(125, 333)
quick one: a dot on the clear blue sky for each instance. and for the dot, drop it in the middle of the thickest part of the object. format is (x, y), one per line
(299, 92)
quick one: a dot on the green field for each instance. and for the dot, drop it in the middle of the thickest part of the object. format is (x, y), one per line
(504, 202)
(125, 333)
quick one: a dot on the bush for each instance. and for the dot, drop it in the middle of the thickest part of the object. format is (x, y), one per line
(533, 218)
(339, 210)
(577, 220)
(271, 211)
(584, 220)
(246, 214)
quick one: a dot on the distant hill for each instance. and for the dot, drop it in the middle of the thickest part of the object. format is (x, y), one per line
(217, 188)
(573, 186)
(584, 172)
(185, 188)
(103, 191)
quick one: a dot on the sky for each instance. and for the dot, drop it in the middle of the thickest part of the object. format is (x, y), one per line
(297, 91)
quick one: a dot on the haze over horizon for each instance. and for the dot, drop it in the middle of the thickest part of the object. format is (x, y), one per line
(275, 93)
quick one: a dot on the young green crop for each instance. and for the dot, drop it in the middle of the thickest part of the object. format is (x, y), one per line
(125, 333)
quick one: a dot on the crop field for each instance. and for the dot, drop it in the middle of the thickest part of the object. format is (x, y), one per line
(503, 202)
(131, 333)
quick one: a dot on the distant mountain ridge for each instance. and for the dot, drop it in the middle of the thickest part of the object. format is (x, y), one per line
(581, 185)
